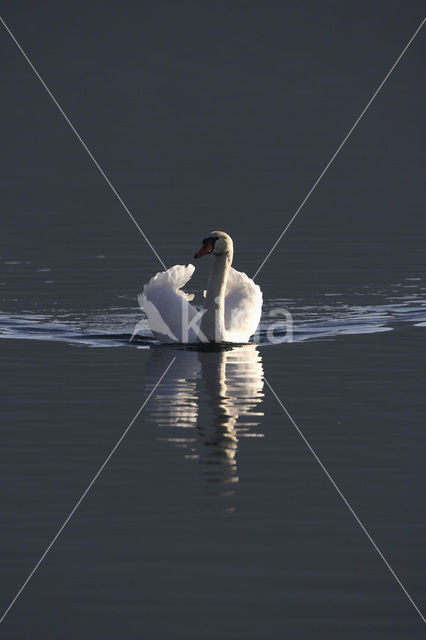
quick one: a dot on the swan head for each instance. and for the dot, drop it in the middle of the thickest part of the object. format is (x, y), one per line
(217, 242)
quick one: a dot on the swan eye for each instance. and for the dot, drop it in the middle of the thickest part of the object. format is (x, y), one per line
(208, 246)
(211, 239)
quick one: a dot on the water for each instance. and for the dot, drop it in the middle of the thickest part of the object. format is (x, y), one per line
(213, 519)
(405, 303)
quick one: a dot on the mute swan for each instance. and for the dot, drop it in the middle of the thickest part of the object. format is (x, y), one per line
(233, 300)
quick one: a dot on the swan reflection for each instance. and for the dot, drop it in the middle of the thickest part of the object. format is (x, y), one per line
(206, 403)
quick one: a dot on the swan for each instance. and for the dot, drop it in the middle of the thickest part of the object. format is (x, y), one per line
(233, 300)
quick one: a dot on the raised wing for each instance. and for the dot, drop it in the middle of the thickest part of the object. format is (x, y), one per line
(168, 308)
(243, 306)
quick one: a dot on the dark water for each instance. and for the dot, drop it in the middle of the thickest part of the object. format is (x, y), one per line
(213, 519)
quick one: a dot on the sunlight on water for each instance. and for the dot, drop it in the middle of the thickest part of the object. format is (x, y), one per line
(114, 326)
(208, 432)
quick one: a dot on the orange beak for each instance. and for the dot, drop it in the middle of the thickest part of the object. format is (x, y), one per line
(206, 248)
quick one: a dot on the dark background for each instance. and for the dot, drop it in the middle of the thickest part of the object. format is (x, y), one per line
(212, 115)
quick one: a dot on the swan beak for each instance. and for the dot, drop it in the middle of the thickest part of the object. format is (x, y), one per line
(205, 249)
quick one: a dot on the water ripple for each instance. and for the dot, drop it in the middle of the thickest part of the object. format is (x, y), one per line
(113, 327)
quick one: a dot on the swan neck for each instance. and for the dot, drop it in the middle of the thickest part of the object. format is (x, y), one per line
(213, 321)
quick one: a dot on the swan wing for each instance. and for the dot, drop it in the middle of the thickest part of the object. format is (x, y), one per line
(243, 306)
(168, 308)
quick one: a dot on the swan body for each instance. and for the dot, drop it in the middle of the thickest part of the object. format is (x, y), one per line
(233, 300)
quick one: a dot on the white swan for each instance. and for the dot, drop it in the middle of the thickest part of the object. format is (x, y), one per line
(233, 300)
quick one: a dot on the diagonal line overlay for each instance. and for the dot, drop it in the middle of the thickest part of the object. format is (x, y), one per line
(339, 148)
(345, 501)
(84, 145)
(83, 495)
